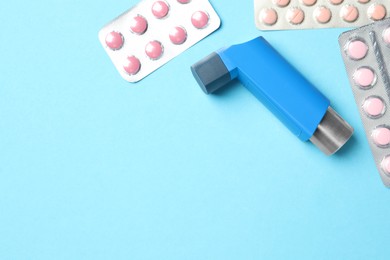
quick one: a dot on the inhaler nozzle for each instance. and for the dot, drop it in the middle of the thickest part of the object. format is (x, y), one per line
(332, 133)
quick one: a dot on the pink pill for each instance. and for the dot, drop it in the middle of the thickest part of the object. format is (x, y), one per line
(376, 12)
(295, 16)
(114, 40)
(268, 16)
(309, 2)
(184, 1)
(349, 13)
(364, 77)
(281, 3)
(385, 165)
(336, 2)
(160, 9)
(374, 107)
(132, 65)
(200, 19)
(357, 49)
(138, 25)
(381, 136)
(322, 14)
(154, 50)
(386, 35)
(178, 35)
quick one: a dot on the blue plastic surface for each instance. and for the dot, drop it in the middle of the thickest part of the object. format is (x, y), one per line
(268, 76)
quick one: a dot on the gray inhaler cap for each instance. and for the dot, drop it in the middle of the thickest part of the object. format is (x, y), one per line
(332, 133)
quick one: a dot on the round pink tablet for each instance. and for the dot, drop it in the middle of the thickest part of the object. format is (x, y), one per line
(381, 136)
(114, 40)
(160, 9)
(322, 14)
(184, 1)
(374, 107)
(138, 25)
(132, 65)
(178, 35)
(200, 19)
(281, 3)
(385, 165)
(349, 13)
(386, 35)
(357, 49)
(268, 16)
(336, 2)
(295, 15)
(154, 50)
(376, 12)
(364, 77)
(309, 2)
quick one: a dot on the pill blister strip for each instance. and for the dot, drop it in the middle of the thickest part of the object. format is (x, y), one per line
(372, 94)
(309, 14)
(139, 30)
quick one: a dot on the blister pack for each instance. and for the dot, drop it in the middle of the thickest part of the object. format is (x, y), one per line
(153, 32)
(308, 14)
(366, 54)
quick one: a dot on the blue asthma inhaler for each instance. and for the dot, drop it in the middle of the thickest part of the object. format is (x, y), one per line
(280, 87)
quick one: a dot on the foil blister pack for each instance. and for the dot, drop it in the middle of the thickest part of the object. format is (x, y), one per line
(366, 54)
(153, 32)
(309, 14)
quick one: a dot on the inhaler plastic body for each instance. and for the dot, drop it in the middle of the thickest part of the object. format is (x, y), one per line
(302, 108)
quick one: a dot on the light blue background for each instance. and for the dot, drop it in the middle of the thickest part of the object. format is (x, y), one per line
(92, 167)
